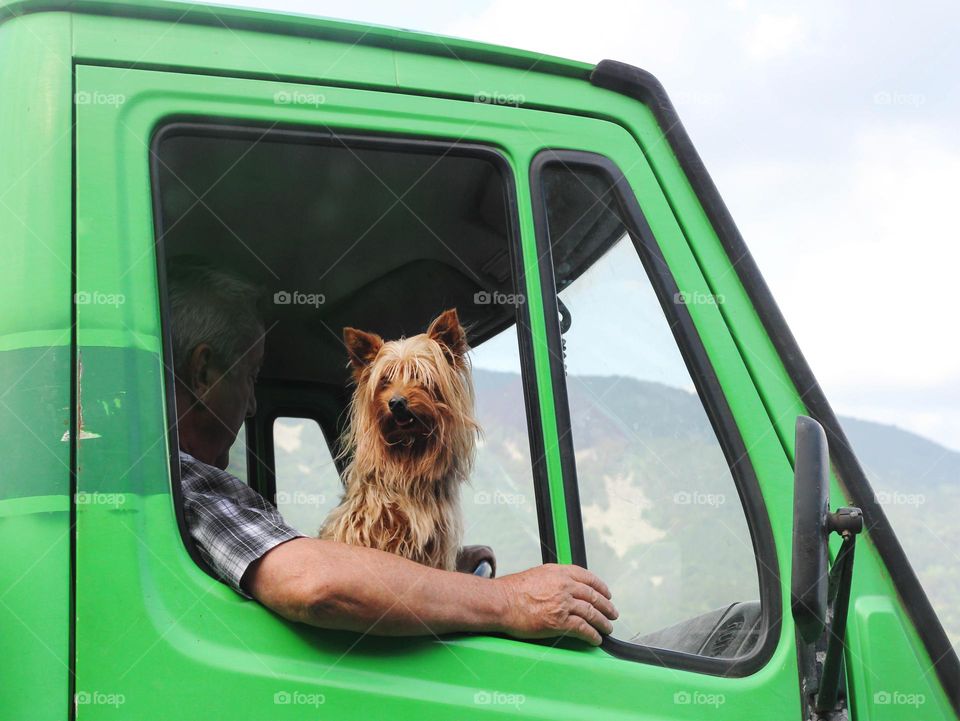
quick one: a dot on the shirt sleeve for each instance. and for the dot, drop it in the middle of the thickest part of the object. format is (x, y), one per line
(232, 524)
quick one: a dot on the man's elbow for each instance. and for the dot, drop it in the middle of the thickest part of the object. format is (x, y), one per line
(300, 585)
(291, 586)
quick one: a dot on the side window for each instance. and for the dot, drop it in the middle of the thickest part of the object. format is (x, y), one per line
(662, 519)
(381, 235)
(499, 506)
(308, 484)
(238, 455)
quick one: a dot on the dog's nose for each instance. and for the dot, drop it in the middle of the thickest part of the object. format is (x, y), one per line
(397, 404)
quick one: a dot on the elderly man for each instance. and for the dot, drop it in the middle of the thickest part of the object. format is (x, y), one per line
(218, 344)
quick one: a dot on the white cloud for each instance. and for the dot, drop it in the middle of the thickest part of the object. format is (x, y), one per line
(863, 250)
(582, 31)
(868, 265)
(287, 434)
(775, 36)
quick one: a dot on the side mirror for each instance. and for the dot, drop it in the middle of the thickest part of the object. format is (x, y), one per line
(811, 499)
(815, 584)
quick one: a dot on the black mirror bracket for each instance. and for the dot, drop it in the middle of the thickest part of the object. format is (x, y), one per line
(822, 667)
(821, 661)
(848, 522)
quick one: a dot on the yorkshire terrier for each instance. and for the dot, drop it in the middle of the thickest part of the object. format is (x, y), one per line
(410, 444)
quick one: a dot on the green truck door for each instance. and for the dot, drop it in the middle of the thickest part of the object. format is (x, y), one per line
(158, 638)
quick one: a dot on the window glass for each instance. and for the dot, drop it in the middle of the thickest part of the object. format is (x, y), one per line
(662, 519)
(375, 234)
(499, 506)
(308, 484)
(238, 455)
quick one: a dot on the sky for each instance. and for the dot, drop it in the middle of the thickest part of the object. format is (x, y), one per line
(830, 130)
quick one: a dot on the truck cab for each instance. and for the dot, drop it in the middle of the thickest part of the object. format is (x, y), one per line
(637, 386)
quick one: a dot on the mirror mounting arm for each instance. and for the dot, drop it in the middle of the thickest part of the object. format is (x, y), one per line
(848, 522)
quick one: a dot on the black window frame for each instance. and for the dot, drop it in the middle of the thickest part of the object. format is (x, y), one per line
(258, 475)
(708, 390)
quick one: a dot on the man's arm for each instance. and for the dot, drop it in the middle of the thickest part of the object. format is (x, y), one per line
(338, 586)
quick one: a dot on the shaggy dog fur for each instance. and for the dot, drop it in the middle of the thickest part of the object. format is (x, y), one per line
(410, 442)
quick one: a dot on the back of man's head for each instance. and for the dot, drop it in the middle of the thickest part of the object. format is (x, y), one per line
(212, 306)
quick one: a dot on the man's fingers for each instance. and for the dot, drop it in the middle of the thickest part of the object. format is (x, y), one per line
(578, 573)
(597, 600)
(578, 628)
(592, 616)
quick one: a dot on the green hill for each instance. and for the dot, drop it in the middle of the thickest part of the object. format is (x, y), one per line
(662, 518)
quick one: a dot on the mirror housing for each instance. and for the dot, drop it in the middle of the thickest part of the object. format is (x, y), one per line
(809, 580)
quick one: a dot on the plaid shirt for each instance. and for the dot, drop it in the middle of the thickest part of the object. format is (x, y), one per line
(232, 524)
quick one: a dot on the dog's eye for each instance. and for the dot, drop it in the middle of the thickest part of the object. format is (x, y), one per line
(384, 382)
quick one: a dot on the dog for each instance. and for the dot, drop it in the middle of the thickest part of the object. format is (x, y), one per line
(410, 443)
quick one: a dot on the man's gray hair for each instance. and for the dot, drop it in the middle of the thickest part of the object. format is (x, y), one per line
(212, 306)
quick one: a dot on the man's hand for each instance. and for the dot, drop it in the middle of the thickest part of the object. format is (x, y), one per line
(555, 600)
(469, 557)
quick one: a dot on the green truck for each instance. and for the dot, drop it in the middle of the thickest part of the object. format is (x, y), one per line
(647, 412)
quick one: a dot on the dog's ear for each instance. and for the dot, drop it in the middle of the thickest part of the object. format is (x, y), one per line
(447, 331)
(362, 347)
